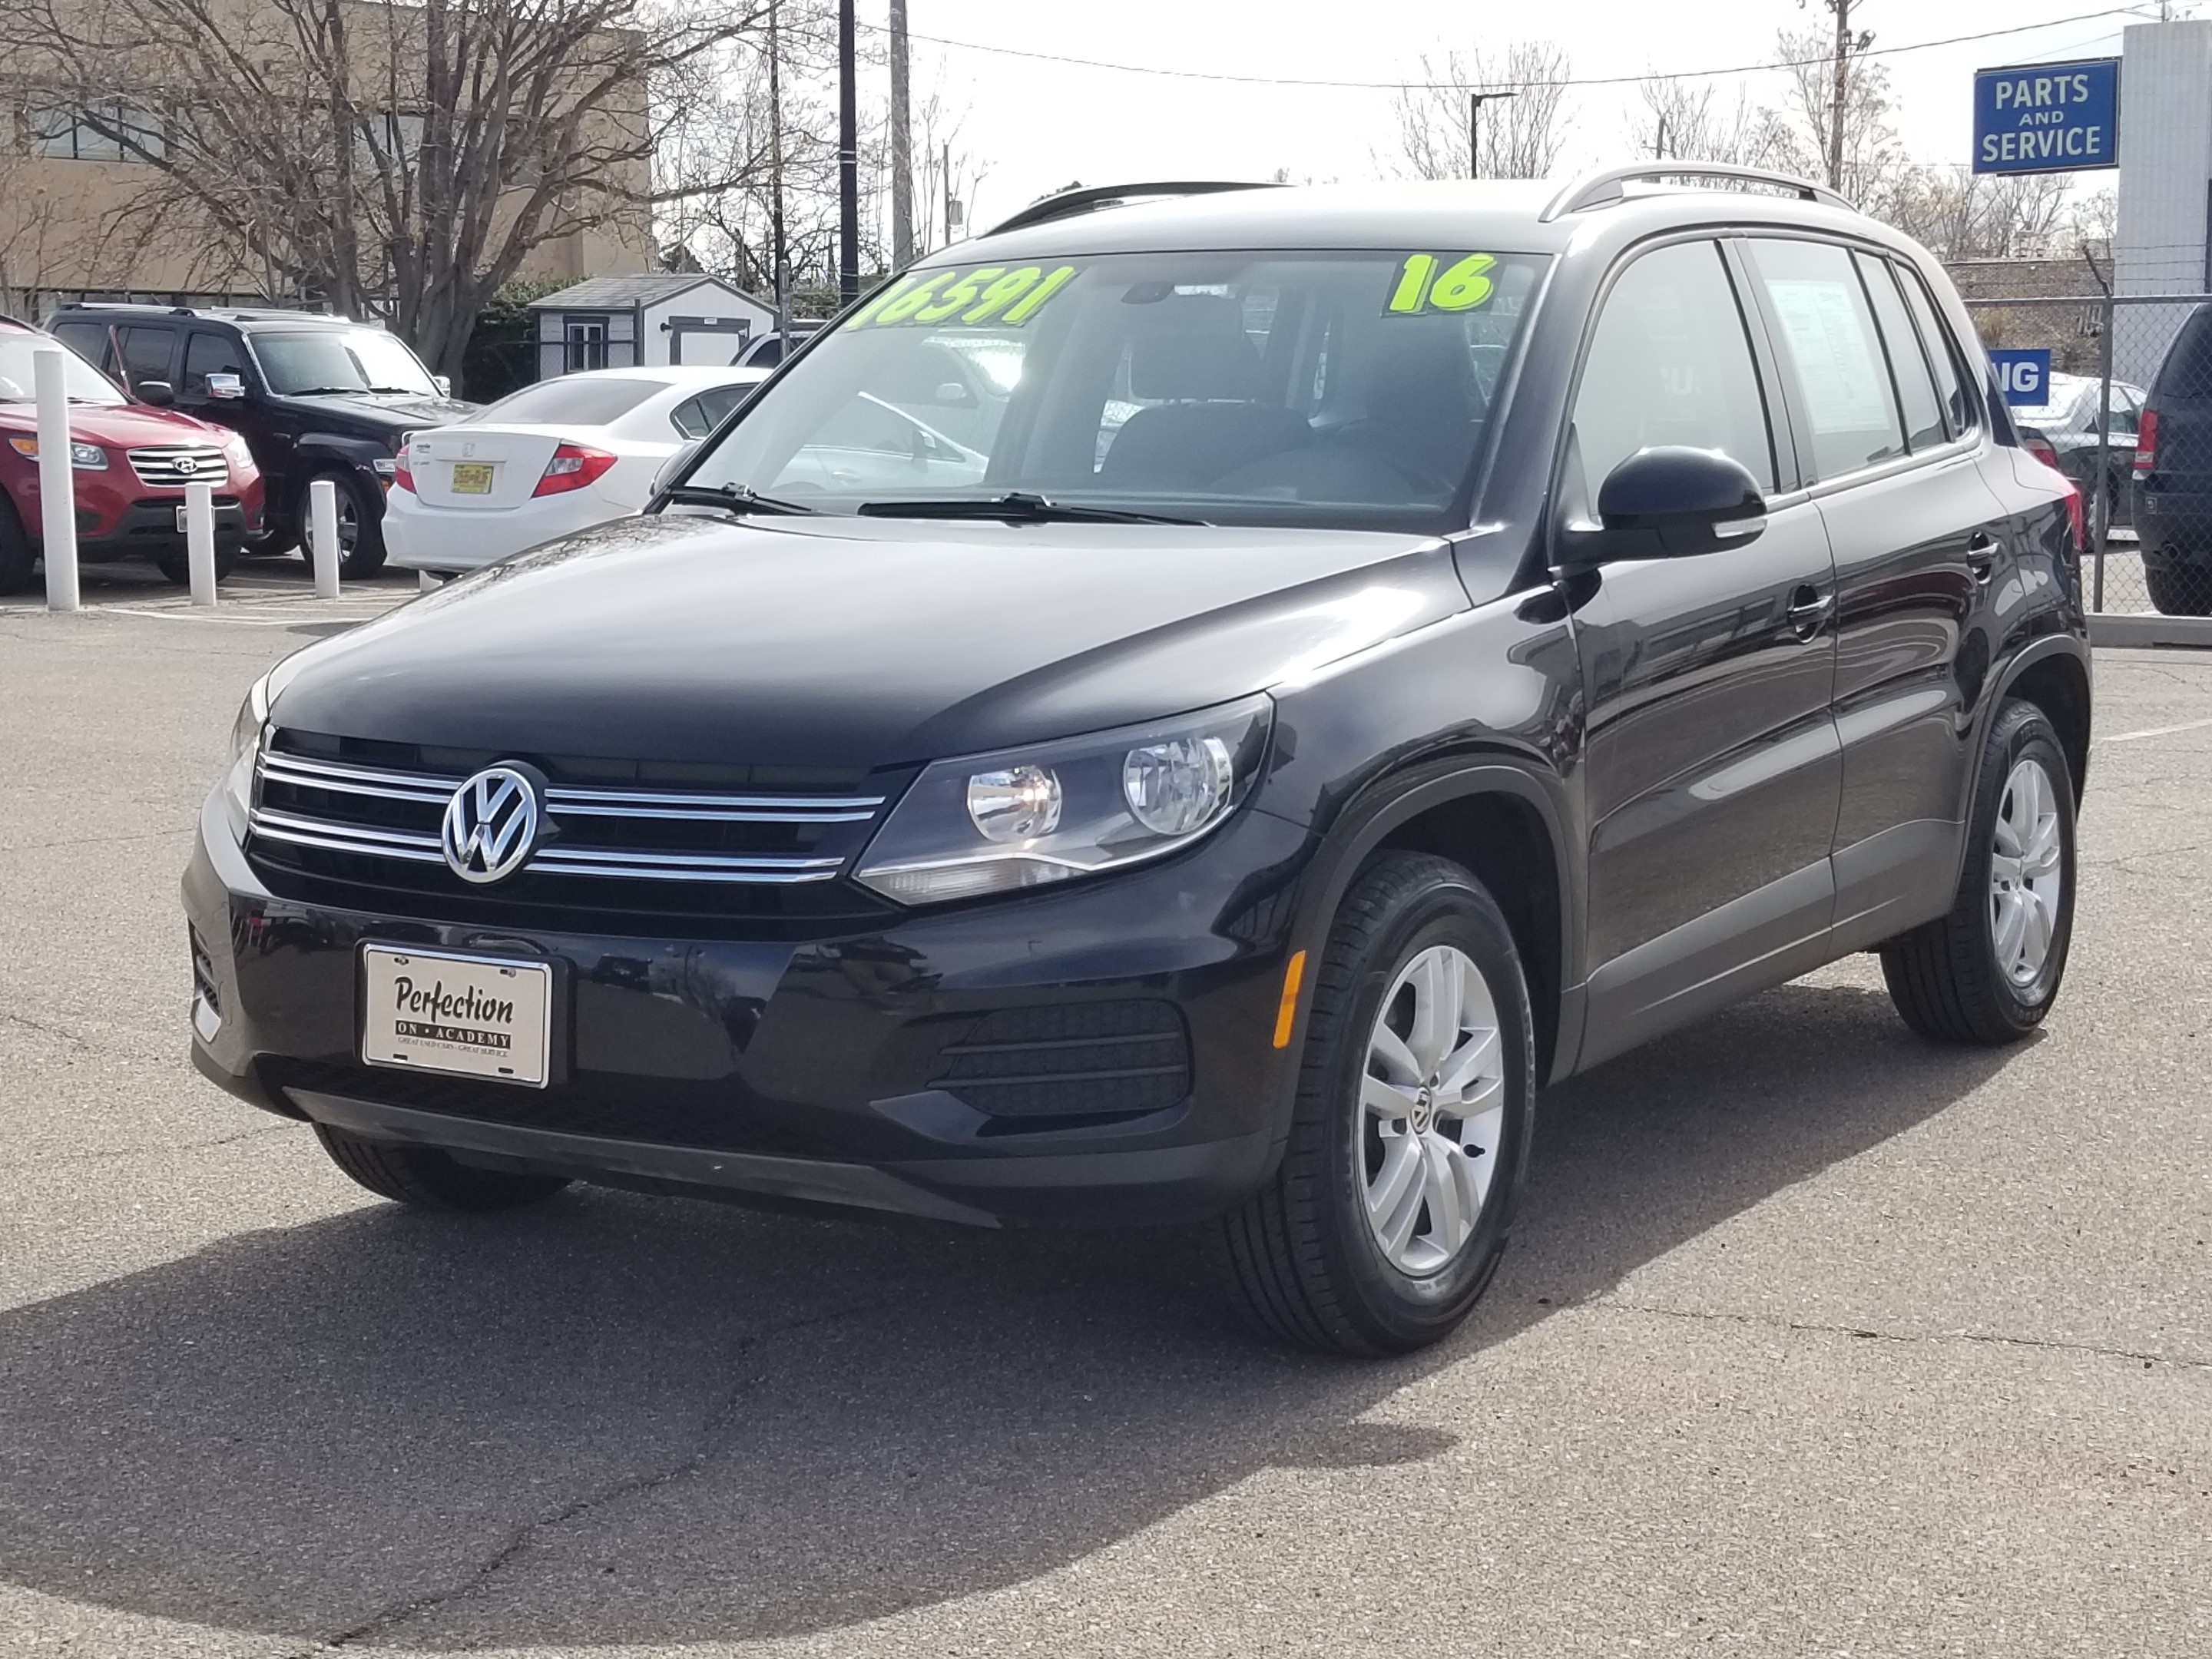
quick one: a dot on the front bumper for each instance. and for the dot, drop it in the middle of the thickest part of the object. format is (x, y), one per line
(961, 1065)
(150, 527)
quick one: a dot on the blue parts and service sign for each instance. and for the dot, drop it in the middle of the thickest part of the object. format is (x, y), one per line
(2048, 117)
(2023, 376)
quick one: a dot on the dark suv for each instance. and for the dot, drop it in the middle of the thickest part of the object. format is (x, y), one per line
(1391, 649)
(315, 397)
(2172, 466)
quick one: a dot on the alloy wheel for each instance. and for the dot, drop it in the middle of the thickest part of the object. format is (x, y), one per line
(1432, 1110)
(2028, 873)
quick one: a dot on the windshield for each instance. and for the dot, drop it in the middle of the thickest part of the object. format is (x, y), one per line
(18, 382)
(1276, 388)
(340, 360)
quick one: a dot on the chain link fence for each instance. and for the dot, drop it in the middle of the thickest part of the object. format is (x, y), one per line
(2127, 416)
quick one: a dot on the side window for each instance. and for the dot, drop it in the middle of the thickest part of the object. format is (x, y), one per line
(1828, 339)
(206, 355)
(2126, 412)
(1908, 363)
(1671, 364)
(90, 341)
(146, 354)
(690, 419)
(1959, 406)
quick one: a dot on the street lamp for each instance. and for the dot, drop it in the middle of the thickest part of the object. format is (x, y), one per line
(1475, 100)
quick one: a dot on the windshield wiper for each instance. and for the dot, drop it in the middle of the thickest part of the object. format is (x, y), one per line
(1015, 506)
(736, 498)
(404, 391)
(326, 391)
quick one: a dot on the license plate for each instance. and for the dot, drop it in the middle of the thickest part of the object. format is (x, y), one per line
(476, 1016)
(472, 477)
(182, 525)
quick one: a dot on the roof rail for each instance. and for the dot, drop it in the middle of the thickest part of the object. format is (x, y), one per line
(1063, 203)
(1602, 189)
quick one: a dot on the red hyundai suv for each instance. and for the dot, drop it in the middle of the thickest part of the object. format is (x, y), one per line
(132, 462)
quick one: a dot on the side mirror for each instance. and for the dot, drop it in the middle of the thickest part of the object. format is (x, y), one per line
(226, 386)
(1672, 502)
(672, 468)
(157, 394)
(444, 383)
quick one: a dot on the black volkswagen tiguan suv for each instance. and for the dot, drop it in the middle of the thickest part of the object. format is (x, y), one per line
(1386, 650)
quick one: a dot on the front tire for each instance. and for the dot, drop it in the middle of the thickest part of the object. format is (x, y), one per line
(425, 1178)
(177, 566)
(1988, 972)
(16, 557)
(1386, 1217)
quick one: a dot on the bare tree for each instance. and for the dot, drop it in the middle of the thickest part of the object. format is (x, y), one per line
(1957, 214)
(1860, 154)
(1521, 136)
(396, 160)
(1686, 121)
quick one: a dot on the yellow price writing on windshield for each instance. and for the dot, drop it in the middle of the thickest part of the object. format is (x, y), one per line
(985, 296)
(1426, 283)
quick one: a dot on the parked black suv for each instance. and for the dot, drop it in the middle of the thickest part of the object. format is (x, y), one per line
(315, 397)
(1394, 648)
(2173, 468)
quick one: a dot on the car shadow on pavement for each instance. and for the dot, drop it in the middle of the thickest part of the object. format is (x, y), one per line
(614, 1419)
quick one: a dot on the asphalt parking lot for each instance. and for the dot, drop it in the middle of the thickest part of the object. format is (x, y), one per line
(1814, 1339)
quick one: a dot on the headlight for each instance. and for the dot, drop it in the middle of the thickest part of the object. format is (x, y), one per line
(992, 823)
(86, 458)
(247, 733)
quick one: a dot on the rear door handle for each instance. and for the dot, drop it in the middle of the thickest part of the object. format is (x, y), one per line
(1808, 609)
(1982, 554)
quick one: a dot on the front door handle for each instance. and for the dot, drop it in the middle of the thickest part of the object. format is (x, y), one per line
(1808, 609)
(1982, 555)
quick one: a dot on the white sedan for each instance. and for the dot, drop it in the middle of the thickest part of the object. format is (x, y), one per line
(554, 459)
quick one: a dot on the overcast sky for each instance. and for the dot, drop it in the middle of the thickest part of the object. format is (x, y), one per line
(1040, 124)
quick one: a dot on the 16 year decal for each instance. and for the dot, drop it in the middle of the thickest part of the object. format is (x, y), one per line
(1426, 282)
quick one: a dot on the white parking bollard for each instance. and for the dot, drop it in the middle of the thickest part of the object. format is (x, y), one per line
(424, 582)
(57, 478)
(322, 536)
(199, 540)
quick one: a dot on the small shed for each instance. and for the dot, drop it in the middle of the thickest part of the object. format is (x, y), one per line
(645, 321)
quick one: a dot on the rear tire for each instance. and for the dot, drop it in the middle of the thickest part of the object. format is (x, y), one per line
(360, 525)
(2178, 590)
(16, 557)
(426, 1179)
(1302, 1256)
(1966, 977)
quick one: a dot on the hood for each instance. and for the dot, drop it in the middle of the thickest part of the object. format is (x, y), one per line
(119, 426)
(857, 643)
(382, 412)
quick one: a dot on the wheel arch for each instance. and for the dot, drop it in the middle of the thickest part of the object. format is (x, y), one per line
(1502, 824)
(2054, 676)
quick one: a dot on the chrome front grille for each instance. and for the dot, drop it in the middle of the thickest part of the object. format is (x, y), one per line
(641, 847)
(172, 466)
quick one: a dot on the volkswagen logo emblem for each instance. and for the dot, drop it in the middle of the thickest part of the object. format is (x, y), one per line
(186, 464)
(493, 823)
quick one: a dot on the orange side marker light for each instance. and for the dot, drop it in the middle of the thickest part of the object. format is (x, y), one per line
(1287, 1015)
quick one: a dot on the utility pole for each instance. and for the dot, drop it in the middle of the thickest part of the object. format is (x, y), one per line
(1659, 145)
(1475, 100)
(848, 161)
(902, 146)
(1847, 46)
(779, 251)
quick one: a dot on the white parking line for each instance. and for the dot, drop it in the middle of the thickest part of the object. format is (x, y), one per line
(2156, 732)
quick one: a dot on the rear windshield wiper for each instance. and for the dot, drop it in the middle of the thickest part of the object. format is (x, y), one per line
(734, 498)
(1014, 508)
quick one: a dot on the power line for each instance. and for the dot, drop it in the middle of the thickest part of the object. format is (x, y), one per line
(1570, 80)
